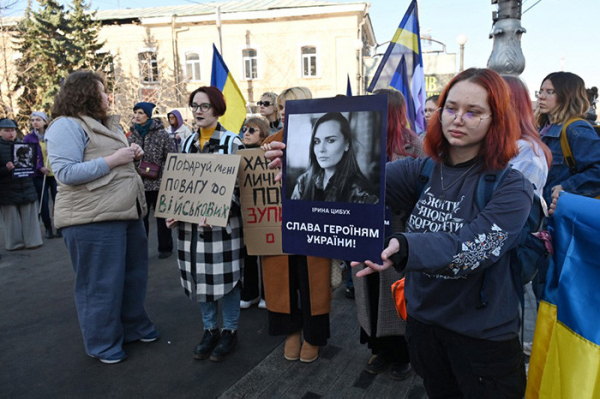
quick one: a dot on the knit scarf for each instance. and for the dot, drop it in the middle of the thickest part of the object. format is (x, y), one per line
(143, 129)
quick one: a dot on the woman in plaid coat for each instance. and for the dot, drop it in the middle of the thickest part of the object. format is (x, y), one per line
(211, 258)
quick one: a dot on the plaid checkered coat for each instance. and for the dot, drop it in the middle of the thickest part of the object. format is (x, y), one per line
(211, 259)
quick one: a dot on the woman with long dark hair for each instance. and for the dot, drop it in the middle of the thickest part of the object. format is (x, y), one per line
(562, 101)
(333, 174)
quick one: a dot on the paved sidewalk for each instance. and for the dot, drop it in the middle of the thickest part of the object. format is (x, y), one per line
(42, 355)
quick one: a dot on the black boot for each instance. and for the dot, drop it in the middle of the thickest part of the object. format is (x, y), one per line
(226, 347)
(208, 343)
(49, 233)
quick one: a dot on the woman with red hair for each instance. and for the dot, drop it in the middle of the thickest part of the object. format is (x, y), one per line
(534, 157)
(463, 309)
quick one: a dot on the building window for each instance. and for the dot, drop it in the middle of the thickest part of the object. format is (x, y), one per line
(148, 66)
(250, 64)
(309, 61)
(192, 66)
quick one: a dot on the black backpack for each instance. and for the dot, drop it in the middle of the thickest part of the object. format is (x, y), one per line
(530, 256)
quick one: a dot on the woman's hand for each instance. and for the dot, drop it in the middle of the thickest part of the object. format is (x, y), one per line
(552, 208)
(138, 153)
(204, 224)
(171, 223)
(556, 191)
(120, 157)
(10, 165)
(392, 248)
(44, 170)
(274, 153)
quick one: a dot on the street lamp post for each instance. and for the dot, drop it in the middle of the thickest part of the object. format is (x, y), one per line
(462, 40)
(507, 56)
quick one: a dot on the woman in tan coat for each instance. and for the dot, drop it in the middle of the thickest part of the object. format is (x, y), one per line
(297, 288)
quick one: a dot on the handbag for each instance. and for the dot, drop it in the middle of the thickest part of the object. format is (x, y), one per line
(337, 266)
(399, 298)
(148, 170)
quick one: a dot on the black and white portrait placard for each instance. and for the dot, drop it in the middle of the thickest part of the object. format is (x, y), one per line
(334, 165)
(24, 159)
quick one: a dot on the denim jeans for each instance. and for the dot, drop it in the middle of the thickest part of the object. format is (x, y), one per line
(110, 260)
(231, 311)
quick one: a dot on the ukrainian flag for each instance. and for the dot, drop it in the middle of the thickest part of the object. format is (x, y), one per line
(402, 68)
(565, 359)
(236, 104)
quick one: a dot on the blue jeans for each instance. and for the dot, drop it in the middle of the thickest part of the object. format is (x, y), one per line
(231, 311)
(110, 260)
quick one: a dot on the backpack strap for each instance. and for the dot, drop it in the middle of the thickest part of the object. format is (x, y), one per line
(187, 144)
(227, 141)
(566, 148)
(425, 175)
(485, 189)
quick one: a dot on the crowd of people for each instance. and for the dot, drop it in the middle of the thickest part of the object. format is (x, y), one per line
(94, 186)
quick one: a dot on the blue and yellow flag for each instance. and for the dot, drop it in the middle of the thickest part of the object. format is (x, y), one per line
(565, 358)
(348, 88)
(402, 68)
(236, 104)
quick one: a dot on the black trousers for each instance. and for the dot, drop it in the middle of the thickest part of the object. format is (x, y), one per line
(165, 240)
(456, 366)
(252, 279)
(314, 328)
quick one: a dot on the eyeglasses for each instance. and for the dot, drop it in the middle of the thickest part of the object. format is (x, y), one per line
(264, 103)
(204, 107)
(543, 92)
(249, 129)
(472, 120)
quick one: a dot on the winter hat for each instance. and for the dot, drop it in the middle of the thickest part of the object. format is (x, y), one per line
(6, 123)
(40, 114)
(146, 107)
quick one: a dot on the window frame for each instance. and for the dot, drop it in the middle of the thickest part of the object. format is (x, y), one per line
(246, 58)
(150, 65)
(198, 62)
(314, 56)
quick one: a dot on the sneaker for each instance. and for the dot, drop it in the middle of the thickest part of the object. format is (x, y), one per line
(208, 343)
(116, 358)
(164, 255)
(262, 304)
(153, 336)
(399, 371)
(376, 364)
(226, 346)
(247, 304)
(527, 348)
(49, 234)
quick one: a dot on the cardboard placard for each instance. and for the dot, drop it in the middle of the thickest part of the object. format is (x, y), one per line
(261, 204)
(195, 186)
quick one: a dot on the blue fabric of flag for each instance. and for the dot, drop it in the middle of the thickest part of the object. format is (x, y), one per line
(402, 68)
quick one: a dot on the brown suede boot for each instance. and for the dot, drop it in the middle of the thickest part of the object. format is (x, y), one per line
(292, 347)
(309, 353)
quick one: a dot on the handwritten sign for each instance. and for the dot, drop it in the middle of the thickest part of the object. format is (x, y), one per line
(261, 204)
(195, 186)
